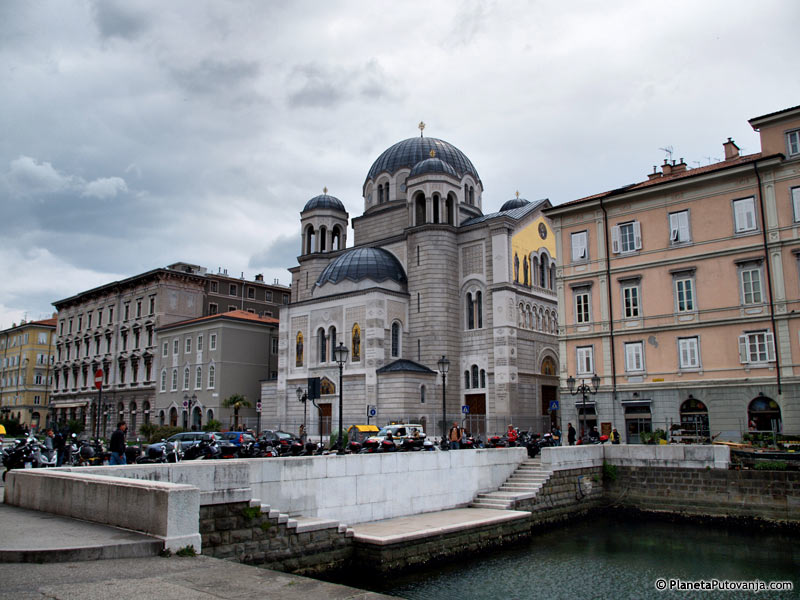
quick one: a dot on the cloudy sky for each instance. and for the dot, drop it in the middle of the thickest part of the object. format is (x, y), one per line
(134, 134)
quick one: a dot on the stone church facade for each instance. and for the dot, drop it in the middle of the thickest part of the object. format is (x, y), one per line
(428, 275)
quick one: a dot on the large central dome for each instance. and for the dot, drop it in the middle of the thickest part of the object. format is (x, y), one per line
(409, 152)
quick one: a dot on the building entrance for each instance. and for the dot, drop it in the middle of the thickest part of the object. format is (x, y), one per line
(475, 421)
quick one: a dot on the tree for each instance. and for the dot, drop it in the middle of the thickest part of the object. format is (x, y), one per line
(236, 401)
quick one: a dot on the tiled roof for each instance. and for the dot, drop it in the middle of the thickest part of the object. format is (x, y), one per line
(232, 315)
(742, 160)
(404, 365)
(514, 213)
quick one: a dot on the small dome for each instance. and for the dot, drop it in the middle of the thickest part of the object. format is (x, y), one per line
(407, 153)
(376, 264)
(514, 203)
(433, 165)
(324, 201)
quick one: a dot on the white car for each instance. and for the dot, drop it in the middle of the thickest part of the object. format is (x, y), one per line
(399, 431)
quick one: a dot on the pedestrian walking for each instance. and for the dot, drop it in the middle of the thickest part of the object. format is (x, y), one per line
(570, 434)
(614, 436)
(117, 445)
(454, 436)
(556, 435)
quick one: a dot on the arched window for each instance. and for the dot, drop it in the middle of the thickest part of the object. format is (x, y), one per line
(298, 349)
(323, 355)
(174, 380)
(543, 272)
(211, 376)
(395, 339)
(479, 308)
(380, 194)
(173, 417)
(535, 270)
(521, 319)
(419, 209)
(466, 380)
(186, 378)
(470, 312)
(209, 415)
(475, 381)
(694, 420)
(355, 346)
(322, 236)
(336, 238)
(525, 270)
(163, 381)
(552, 276)
(472, 195)
(146, 412)
(483, 378)
(422, 394)
(449, 208)
(309, 239)
(198, 378)
(764, 414)
(436, 202)
(162, 417)
(332, 341)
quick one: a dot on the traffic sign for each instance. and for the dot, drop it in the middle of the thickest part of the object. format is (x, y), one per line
(258, 406)
(553, 404)
(465, 409)
(372, 410)
(98, 378)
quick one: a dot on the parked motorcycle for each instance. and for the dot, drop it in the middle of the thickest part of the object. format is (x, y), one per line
(206, 449)
(496, 441)
(370, 446)
(91, 453)
(18, 456)
(166, 452)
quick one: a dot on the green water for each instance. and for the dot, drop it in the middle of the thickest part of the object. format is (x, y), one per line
(609, 558)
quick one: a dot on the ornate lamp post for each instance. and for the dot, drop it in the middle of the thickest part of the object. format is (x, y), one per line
(444, 366)
(188, 403)
(340, 354)
(583, 389)
(303, 397)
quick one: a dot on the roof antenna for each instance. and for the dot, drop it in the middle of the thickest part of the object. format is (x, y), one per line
(668, 150)
(421, 127)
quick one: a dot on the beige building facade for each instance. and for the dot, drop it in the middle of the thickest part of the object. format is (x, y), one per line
(682, 293)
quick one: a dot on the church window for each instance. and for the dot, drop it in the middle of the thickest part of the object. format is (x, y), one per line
(436, 202)
(525, 269)
(543, 272)
(380, 194)
(309, 239)
(483, 378)
(552, 276)
(479, 309)
(332, 340)
(466, 379)
(470, 312)
(422, 394)
(298, 349)
(322, 346)
(516, 267)
(472, 195)
(336, 238)
(449, 208)
(322, 235)
(395, 339)
(419, 212)
(535, 270)
(475, 381)
(356, 343)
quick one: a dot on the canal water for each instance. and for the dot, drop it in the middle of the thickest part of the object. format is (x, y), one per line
(609, 557)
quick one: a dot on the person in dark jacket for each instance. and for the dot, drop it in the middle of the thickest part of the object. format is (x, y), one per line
(571, 434)
(117, 445)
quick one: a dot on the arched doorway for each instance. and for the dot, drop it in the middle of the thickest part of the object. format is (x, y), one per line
(694, 421)
(550, 392)
(173, 417)
(764, 413)
(197, 418)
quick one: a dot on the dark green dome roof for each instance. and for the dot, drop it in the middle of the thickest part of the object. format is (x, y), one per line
(514, 203)
(324, 201)
(406, 154)
(356, 264)
(433, 165)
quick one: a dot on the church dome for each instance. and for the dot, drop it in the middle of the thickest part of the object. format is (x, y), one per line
(433, 165)
(409, 152)
(324, 201)
(376, 264)
(514, 203)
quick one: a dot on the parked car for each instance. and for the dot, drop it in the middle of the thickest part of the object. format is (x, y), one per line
(189, 438)
(399, 431)
(238, 438)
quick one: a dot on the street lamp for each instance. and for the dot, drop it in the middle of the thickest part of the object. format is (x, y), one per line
(583, 389)
(188, 403)
(340, 354)
(444, 366)
(303, 397)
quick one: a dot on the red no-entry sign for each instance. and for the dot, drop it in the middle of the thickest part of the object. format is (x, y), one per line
(98, 378)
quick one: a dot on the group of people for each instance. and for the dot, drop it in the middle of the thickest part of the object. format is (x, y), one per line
(457, 436)
(593, 437)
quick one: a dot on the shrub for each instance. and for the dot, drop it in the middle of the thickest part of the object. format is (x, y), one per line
(212, 425)
(335, 437)
(609, 471)
(772, 465)
(75, 426)
(186, 551)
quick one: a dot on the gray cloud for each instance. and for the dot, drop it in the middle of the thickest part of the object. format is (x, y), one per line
(279, 253)
(118, 19)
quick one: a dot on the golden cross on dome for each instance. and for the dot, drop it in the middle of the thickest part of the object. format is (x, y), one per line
(421, 127)
(517, 193)
(325, 190)
(433, 153)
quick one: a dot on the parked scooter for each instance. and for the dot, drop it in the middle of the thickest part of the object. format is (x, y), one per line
(19, 456)
(41, 457)
(206, 449)
(166, 452)
(91, 453)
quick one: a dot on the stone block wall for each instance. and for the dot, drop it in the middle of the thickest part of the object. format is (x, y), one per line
(247, 534)
(566, 495)
(767, 495)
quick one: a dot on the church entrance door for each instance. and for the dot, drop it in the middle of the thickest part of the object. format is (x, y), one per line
(549, 393)
(325, 413)
(475, 421)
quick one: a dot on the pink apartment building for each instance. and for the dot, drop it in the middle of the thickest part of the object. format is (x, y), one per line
(682, 293)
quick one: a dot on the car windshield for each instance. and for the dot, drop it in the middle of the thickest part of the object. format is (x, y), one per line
(386, 430)
(283, 435)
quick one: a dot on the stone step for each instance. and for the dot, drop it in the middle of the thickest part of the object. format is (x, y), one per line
(510, 487)
(537, 476)
(492, 505)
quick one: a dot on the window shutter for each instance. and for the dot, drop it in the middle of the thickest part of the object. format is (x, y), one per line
(615, 239)
(743, 349)
(637, 235)
(770, 343)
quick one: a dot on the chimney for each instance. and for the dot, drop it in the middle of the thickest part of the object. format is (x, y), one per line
(680, 167)
(260, 278)
(731, 149)
(666, 168)
(655, 174)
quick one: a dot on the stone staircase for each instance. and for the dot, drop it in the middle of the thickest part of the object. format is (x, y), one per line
(523, 484)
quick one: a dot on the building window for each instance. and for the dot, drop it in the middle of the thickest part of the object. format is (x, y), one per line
(212, 341)
(630, 301)
(582, 314)
(186, 378)
(355, 348)
(580, 248)
(188, 345)
(174, 380)
(626, 237)
(634, 357)
(251, 293)
(679, 227)
(214, 287)
(475, 380)
(268, 296)
(395, 339)
(744, 214)
(332, 342)
(286, 298)
(165, 349)
(232, 289)
(80, 322)
(89, 321)
(274, 345)
(796, 203)
(211, 376)
(585, 356)
(684, 294)
(793, 142)
(200, 342)
(751, 284)
(322, 346)
(127, 312)
(198, 378)
(213, 308)
(466, 380)
(757, 347)
(138, 308)
(422, 394)
(688, 353)
(474, 310)
(298, 349)
(152, 307)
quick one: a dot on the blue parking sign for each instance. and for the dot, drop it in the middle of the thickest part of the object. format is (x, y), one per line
(553, 404)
